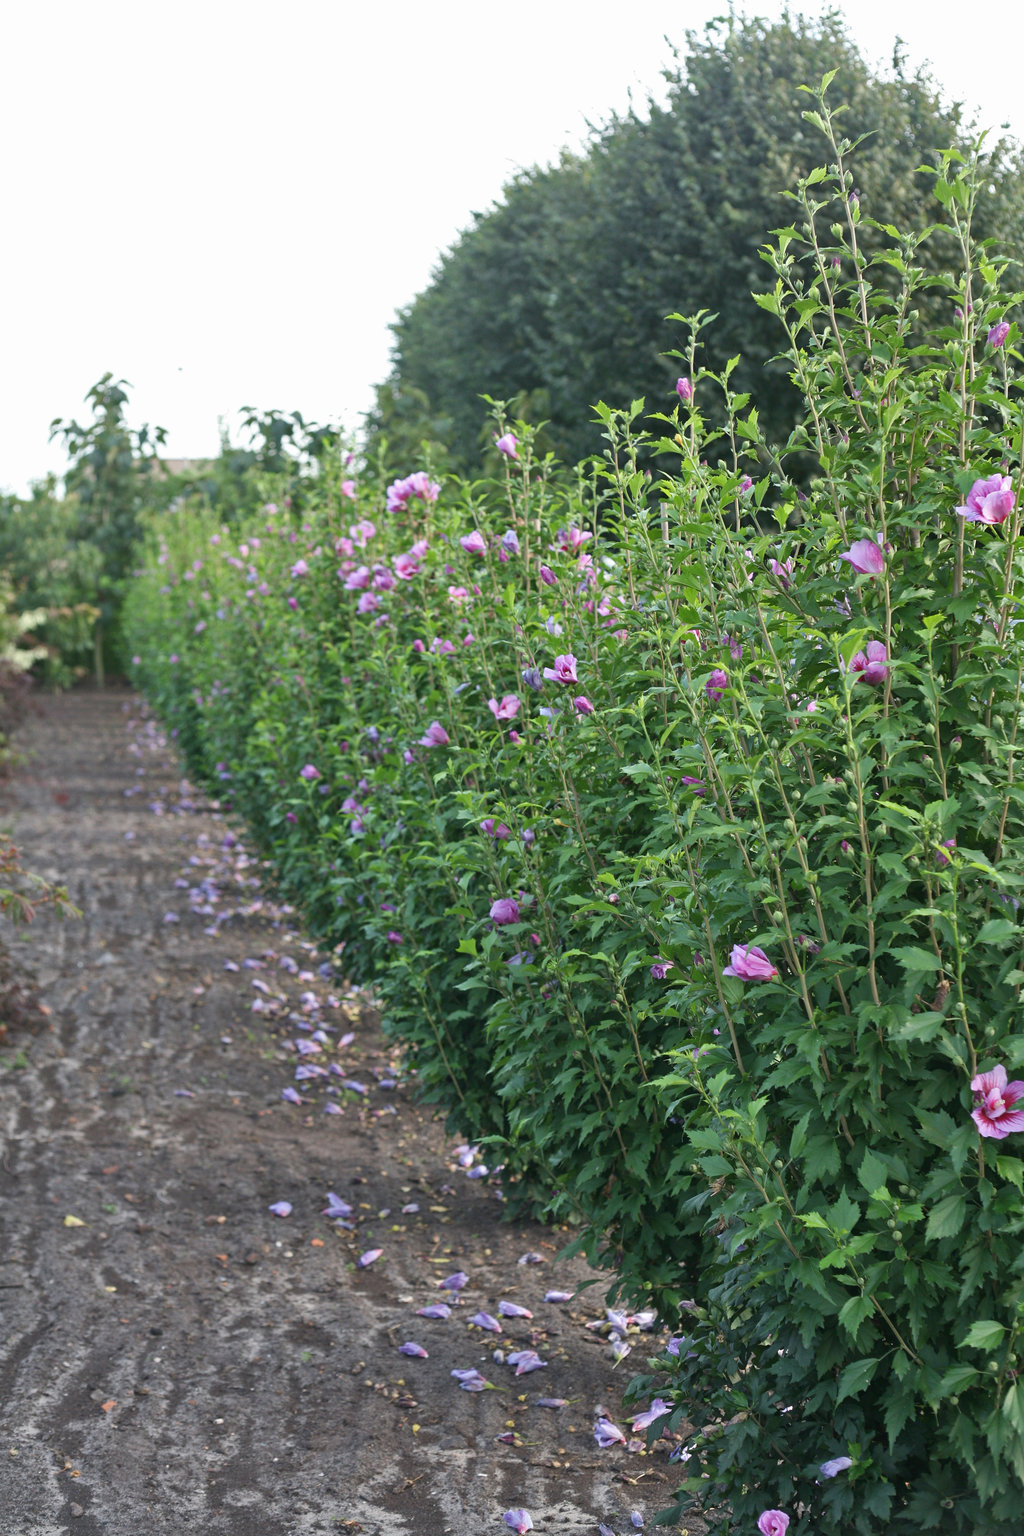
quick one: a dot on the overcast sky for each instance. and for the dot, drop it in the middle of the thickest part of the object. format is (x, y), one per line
(226, 201)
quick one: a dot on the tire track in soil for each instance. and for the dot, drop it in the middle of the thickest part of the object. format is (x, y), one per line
(184, 1361)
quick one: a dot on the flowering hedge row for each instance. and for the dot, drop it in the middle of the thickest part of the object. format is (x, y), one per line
(674, 816)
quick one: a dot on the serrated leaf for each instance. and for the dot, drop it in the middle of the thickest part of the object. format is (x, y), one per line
(912, 958)
(1012, 1407)
(1011, 1169)
(799, 1136)
(957, 1378)
(937, 1127)
(947, 1217)
(996, 931)
(854, 1312)
(855, 1377)
(899, 1412)
(984, 1334)
(872, 1173)
(922, 1027)
(845, 1213)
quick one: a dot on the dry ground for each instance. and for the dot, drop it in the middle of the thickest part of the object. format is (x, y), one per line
(177, 1359)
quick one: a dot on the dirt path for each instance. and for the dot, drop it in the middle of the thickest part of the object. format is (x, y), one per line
(174, 1358)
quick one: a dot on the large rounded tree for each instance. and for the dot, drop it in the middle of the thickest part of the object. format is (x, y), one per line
(558, 295)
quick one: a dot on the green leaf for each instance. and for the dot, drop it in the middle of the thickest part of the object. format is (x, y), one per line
(921, 1026)
(937, 1127)
(946, 1218)
(855, 1377)
(851, 643)
(957, 1378)
(854, 1312)
(799, 1136)
(996, 931)
(872, 1173)
(984, 1334)
(899, 1412)
(914, 959)
(1011, 1169)
(845, 1213)
(821, 1157)
(1012, 1407)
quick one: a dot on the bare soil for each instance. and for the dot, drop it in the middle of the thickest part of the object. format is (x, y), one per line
(173, 1357)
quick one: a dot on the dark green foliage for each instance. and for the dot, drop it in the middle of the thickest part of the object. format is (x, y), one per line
(105, 476)
(557, 297)
(110, 463)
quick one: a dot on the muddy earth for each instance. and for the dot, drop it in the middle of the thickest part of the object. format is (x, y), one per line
(175, 1357)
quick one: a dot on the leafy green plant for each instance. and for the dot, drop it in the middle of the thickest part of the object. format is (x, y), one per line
(54, 572)
(673, 816)
(855, 854)
(110, 463)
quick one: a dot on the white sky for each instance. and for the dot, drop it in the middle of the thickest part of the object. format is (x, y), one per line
(226, 201)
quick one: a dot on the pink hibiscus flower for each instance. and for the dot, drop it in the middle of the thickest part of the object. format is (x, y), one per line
(563, 671)
(994, 1098)
(989, 501)
(872, 664)
(749, 962)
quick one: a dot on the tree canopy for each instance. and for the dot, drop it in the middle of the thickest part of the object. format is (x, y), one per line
(558, 296)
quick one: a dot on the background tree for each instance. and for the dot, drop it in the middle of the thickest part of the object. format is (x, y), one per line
(110, 466)
(558, 295)
(51, 570)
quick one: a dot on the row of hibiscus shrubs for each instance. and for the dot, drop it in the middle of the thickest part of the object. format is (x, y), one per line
(669, 807)
(419, 702)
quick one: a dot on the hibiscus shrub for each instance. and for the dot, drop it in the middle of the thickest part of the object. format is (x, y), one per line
(672, 814)
(396, 705)
(850, 875)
